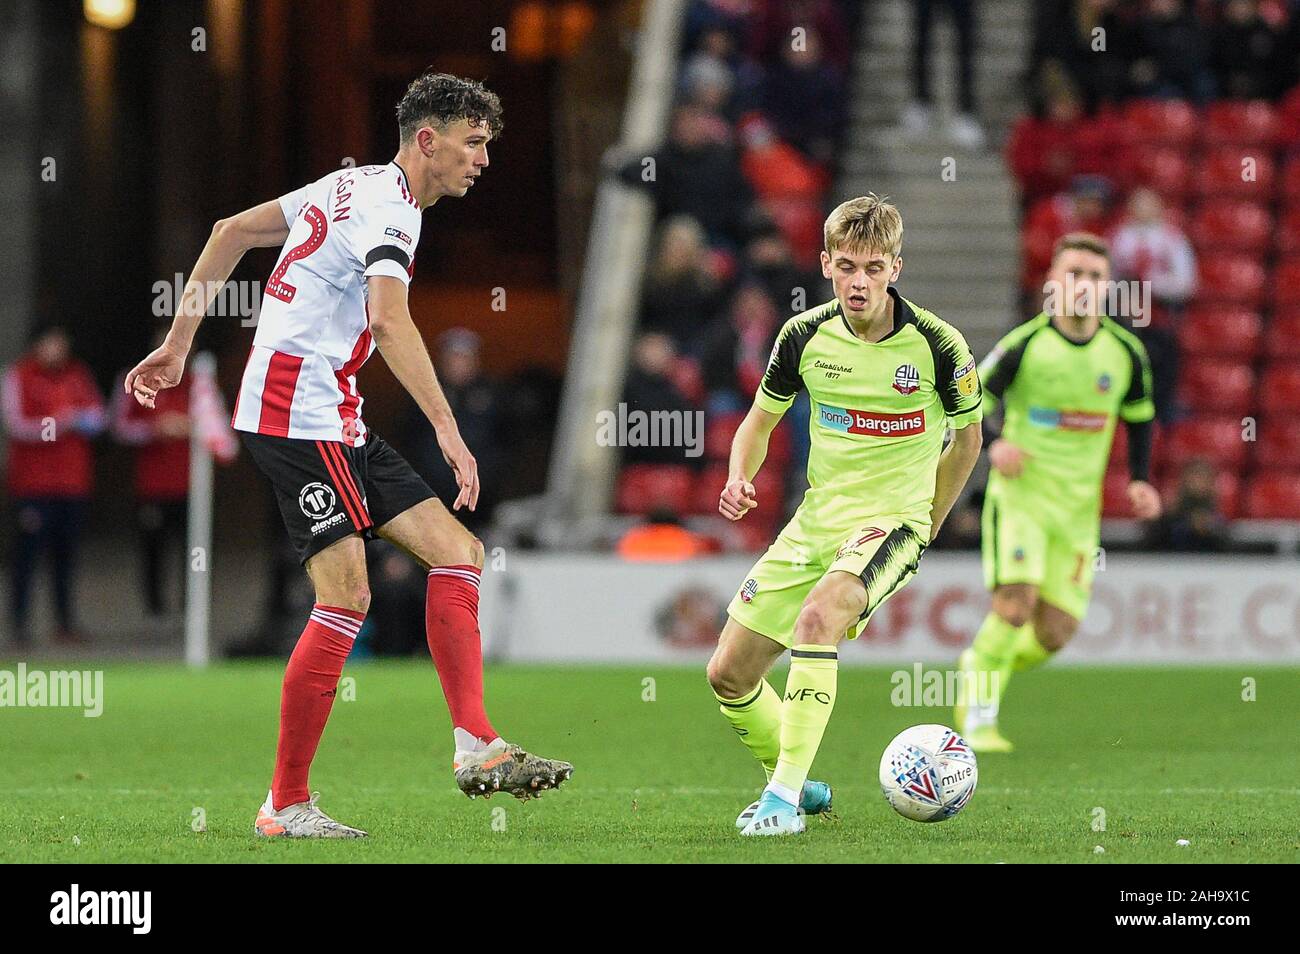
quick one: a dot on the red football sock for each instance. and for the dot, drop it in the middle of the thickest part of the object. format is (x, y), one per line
(310, 681)
(451, 622)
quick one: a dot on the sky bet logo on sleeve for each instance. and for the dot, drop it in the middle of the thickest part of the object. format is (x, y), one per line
(397, 234)
(870, 422)
(966, 378)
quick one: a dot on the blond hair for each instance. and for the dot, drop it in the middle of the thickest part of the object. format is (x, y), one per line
(1084, 242)
(868, 223)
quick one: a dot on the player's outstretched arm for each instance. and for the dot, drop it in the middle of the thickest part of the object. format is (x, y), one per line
(748, 450)
(258, 227)
(955, 464)
(400, 343)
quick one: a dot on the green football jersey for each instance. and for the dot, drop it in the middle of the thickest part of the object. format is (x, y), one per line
(1062, 400)
(879, 411)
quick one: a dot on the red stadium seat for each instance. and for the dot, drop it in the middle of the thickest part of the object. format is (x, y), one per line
(1287, 232)
(1274, 495)
(1286, 283)
(1238, 173)
(1210, 385)
(1114, 495)
(1283, 338)
(1237, 123)
(1277, 444)
(1289, 187)
(718, 432)
(645, 487)
(1167, 122)
(1216, 439)
(1162, 168)
(1119, 447)
(1233, 279)
(1227, 487)
(1279, 389)
(1233, 225)
(1224, 331)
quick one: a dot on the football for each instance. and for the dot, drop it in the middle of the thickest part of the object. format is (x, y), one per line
(928, 773)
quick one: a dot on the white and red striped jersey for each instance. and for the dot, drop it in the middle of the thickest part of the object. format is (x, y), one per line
(313, 332)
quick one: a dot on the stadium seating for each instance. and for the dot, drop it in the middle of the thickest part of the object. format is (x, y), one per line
(1162, 168)
(1277, 443)
(1225, 331)
(1217, 439)
(1279, 391)
(1274, 495)
(646, 487)
(1215, 385)
(1166, 122)
(1232, 278)
(1237, 172)
(1287, 232)
(1234, 123)
(1244, 227)
(1283, 339)
(1286, 283)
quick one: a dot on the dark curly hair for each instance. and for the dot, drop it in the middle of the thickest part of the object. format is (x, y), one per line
(441, 99)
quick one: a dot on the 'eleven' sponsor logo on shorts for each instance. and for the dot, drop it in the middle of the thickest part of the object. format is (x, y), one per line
(1067, 420)
(873, 423)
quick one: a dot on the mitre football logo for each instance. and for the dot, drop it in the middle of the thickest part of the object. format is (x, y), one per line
(906, 379)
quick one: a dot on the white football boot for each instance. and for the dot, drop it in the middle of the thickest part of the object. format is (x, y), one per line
(303, 820)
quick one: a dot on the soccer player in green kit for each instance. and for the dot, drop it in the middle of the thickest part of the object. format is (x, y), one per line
(1064, 378)
(887, 379)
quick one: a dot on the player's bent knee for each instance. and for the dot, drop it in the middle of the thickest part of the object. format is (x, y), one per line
(1016, 609)
(815, 625)
(1055, 635)
(725, 680)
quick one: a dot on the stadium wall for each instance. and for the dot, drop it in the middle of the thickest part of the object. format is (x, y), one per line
(1157, 610)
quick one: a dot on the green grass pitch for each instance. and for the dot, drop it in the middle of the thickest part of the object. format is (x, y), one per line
(1164, 753)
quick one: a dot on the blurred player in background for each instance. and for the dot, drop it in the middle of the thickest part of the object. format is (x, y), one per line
(1064, 379)
(886, 379)
(338, 291)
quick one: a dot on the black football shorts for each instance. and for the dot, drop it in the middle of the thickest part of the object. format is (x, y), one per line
(328, 490)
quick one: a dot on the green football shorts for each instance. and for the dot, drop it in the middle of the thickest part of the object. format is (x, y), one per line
(882, 552)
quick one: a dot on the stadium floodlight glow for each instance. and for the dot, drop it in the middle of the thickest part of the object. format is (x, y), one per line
(112, 14)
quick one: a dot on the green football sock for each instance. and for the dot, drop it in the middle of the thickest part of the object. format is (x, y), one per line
(756, 717)
(994, 653)
(809, 699)
(1028, 652)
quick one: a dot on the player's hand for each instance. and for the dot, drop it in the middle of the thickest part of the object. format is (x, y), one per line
(463, 466)
(1145, 500)
(737, 499)
(1007, 458)
(162, 369)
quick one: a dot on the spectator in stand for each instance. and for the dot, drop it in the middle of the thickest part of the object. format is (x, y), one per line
(1193, 523)
(774, 22)
(918, 117)
(695, 175)
(1041, 150)
(1068, 38)
(161, 439)
(474, 402)
(735, 349)
(51, 410)
(651, 386)
(1170, 53)
(680, 292)
(769, 261)
(1146, 247)
(1248, 53)
(803, 98)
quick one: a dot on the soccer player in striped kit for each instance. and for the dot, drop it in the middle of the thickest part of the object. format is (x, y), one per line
(338, 293)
